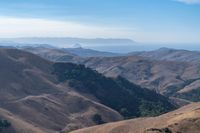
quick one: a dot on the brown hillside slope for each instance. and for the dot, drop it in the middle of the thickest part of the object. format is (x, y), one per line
(33, 101)
(183, 120)
(165, 77)
(168, 54)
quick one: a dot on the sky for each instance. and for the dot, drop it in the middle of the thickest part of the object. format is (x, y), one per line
(148, 21)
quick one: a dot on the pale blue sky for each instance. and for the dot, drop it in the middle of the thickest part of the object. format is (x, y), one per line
(171, 21)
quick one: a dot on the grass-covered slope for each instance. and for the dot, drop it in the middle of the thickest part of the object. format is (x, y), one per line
(183, 120)
(33, 101)
(128, 99)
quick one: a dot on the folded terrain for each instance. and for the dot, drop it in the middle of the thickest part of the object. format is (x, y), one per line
(183, 120)
(169, 78)
(39, 96)
(170, 72)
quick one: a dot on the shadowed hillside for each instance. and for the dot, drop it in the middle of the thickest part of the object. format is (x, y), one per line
(128, 99)
(170, 78)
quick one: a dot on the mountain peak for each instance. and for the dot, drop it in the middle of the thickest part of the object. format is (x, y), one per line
(77, 45)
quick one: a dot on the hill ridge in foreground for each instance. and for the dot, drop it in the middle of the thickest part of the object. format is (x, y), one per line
(183, 120)
(33, 101)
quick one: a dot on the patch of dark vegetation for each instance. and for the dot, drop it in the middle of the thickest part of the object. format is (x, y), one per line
(4, 124)
(154, 129)
(119, 94)
(163, 130)
(98, 119)
(167, 130)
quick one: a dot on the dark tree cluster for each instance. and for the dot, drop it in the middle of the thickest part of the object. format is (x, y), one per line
(119, 94)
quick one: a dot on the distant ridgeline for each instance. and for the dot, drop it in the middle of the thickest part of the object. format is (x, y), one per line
(119, 94)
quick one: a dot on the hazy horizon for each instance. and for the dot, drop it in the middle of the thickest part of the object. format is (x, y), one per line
(144, 21)
(115, 45)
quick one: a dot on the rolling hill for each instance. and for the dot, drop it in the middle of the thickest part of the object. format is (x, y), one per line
(170, 72)
(39, 96)
(83, 52)
(33, 100)
(170, 78)
(173, 73)
(53, 54)
(183, 120)
(167, 54)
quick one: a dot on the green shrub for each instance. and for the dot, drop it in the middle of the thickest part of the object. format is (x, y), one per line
(4, 124)
(97, 119)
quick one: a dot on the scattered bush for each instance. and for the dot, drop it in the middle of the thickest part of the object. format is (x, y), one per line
(97, 119)
(4, 124)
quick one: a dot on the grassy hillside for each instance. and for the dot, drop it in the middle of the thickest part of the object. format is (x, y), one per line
(183, 120)
(33, 101)
(165, 77)
(128, 99)
(173, 73)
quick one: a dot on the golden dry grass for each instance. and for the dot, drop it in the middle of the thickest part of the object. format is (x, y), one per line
(184, 120)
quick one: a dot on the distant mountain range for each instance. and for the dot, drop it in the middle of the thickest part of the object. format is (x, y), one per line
(82, 52)
(67, 41)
